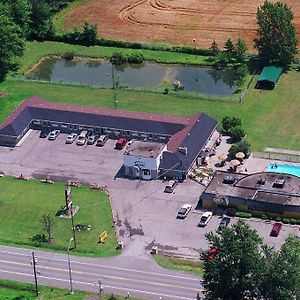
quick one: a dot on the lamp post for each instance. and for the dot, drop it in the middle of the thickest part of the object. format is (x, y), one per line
(34, 263)
(100, 288)
(194, 41)
(69, 265)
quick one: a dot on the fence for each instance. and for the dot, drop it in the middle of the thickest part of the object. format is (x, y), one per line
(277, 156)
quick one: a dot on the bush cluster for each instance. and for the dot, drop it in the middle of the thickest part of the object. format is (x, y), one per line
(243, 214)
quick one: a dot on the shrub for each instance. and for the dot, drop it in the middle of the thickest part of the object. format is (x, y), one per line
(293, 221)
(244, 146)
(237, 133)
(233, 150)
(298, 221)
(69, 55)
(135, 58)
(229, 122)
(118, 59)
(265, 217)
(166, 91)
(243, 214)
(278, 219)
(286, 220)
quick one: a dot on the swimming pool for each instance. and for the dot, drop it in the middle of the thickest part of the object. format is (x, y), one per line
(286, 169)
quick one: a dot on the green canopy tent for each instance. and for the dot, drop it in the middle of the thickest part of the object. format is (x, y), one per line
(269, 77)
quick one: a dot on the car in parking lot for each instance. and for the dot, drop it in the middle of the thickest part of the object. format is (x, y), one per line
(205, 219)
(120, 144)
(71, 138)
(224, 223)
(92, 139)
(102, 140)
(53, 135)
(44, 134)
(82, 138)
(183, 211)
(170, 186)
(276, 229)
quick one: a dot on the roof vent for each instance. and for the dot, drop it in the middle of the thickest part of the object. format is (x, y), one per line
(261, 181)
(228, 180)
(183, 150)
(279, 183)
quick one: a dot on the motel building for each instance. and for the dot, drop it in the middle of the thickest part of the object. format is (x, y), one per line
(160, 146)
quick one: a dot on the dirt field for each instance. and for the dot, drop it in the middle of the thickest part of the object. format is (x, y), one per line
(173, 21)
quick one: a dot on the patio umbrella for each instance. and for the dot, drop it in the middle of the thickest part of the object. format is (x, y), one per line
(235, 162)
(240, 155)
(222, 157)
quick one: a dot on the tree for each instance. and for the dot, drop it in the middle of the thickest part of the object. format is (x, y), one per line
(240, 50)
(230, 122)
(236, 133)
(276, 39)
(214, 48)
(89, 34)
(229, 49)
(48, 223)
(244, 146)
(282, 271)
(118, 59)
(11, 43)
(41, 24)
(235, 272)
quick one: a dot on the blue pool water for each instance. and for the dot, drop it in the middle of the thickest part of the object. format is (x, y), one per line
(286, 169)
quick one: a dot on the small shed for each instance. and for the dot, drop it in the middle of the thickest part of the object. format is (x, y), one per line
(269, 77)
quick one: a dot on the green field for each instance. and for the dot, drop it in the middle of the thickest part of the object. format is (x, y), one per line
(24, 202)
(271, 118)
(11, 290)
(171, 263)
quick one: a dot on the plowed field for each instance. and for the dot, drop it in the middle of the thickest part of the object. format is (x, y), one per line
(173, 21)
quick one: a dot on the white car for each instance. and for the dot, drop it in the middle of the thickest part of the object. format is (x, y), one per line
(183, 211)
(53, 135)
(71, 138)
(81, 140)
(205, 219)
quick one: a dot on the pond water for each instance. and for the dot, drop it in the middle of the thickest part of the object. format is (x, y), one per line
(146, 75)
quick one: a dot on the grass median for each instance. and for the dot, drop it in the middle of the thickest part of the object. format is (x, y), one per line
(23, 203)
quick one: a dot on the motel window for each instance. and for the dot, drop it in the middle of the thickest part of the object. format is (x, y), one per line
(36, 122)
(108, 131)
(155, 137)
(54, 124)
(162, 137)
(64, 125)
(128, 133)
(135, 134)
(146, 172)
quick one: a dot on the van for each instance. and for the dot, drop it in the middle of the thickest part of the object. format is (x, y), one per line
(102, 140)
(82, 138)
(170, 186)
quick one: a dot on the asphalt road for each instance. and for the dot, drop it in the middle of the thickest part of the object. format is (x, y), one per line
(115, 273)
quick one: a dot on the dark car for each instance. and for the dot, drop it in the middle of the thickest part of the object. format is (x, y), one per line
(44, 134)
(224, 223)
(276, 229)
(120, 144)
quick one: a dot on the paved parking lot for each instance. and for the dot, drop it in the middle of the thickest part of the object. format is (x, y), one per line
(144, 214)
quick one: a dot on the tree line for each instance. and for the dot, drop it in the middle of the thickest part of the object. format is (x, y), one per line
(245, 268)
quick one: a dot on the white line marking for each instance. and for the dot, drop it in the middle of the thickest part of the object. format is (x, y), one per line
(93, 284)
(105, 266)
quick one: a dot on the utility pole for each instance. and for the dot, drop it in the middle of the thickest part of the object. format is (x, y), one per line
(34, 272)
(69, 265)
(114, 85)
(73, 227)
(100, 289)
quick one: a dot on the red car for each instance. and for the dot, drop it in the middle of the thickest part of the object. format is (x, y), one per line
(212, 252)
(276, 229)
(120, 144)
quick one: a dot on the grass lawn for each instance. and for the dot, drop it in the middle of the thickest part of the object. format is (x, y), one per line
(11, 290)
(271, 118)
(179, 264)
(34, 51)
(23, 203)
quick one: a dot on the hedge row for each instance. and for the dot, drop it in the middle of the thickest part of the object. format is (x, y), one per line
(66, 38)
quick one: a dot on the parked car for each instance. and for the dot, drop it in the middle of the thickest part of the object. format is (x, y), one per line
(82, 138)
(44, 134)
(205, 219)
(183, 211)
(276, 229)
(92, 139)
(212, 252)
(102, 140)
(224, 223)
(171, 184)
(71, 138)
(53, 135)
(120, 144)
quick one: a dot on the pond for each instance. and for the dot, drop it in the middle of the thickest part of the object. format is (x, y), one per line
(98, 73)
